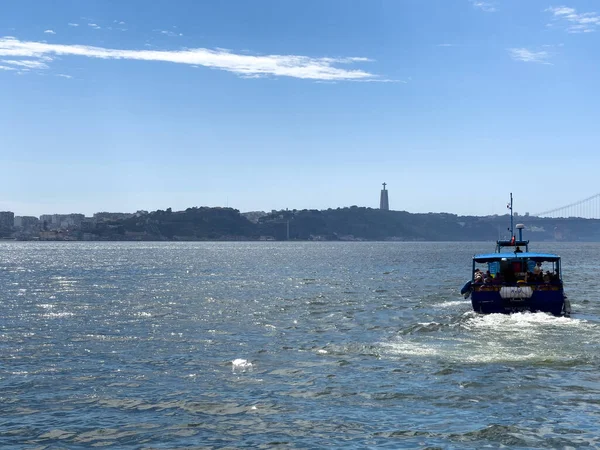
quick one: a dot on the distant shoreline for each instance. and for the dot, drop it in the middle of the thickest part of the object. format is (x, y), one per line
(352, 224)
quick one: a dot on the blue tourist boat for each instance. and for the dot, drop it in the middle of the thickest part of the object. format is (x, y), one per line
(513, 279)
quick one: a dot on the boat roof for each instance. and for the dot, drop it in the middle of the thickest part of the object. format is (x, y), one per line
(490, 257)
(511, 243)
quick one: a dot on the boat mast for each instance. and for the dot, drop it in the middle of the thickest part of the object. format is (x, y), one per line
(512, 231)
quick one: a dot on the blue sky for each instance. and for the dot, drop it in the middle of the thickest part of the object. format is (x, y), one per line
(125, 105)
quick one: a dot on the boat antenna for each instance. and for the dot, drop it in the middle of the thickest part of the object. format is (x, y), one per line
(512, 230)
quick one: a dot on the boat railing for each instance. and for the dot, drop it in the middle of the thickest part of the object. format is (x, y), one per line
(516, 283)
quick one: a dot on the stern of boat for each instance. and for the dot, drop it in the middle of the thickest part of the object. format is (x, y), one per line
(489, 299)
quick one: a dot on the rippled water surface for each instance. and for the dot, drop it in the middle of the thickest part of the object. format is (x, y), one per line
(287, 345)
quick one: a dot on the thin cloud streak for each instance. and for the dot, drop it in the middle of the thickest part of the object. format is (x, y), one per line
(28, 64)
(484, 6)
(50, 32)
(294, 66)
(578, 22)
(525, 55)
(169, 33)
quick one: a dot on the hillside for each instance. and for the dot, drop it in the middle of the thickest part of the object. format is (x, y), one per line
(353, 223)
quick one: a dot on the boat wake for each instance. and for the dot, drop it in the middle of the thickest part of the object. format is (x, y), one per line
(498, 338)
(522, 322)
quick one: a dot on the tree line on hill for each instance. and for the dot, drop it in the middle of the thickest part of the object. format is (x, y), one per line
(351, 223)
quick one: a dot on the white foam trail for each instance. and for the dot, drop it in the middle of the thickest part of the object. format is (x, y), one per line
(411, 348)
(453, 303)
(497, 338)
(240, 365)
(523, 322)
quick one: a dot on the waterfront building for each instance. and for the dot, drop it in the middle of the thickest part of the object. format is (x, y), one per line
(26, 222)
(110, 216)
(71, 220)
(7, 220)
(46, 218)
(61, 221)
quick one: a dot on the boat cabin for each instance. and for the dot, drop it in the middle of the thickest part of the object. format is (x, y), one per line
(516, 268)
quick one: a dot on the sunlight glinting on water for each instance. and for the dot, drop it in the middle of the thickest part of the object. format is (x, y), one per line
(304, 343)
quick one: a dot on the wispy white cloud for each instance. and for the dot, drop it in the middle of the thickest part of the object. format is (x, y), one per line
(170, 33)
(50, 32)
(26, 63)
(295, 66)
(62, 75)
(7, 68)
(381, 80)
(73, 24)
(94, 26)
(576, 22)
(445, 45)
(525, 55)
(484, 6)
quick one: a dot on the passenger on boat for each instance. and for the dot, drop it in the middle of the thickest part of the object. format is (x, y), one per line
(488, 279)
(529, 277)
(478, 276)
(518, 250)
(538, 268)
(547, 277)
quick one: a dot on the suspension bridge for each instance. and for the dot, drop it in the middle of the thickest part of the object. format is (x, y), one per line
(588, 208)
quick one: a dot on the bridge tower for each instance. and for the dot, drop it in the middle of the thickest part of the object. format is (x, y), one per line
(384, 203)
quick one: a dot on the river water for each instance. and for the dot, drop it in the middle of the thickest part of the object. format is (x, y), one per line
(287, 345)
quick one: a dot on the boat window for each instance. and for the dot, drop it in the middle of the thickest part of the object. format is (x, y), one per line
(494, 267)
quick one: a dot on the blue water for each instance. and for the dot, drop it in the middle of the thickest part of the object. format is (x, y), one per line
(286, 345)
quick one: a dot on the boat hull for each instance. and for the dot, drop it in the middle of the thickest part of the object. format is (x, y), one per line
(518, 298)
